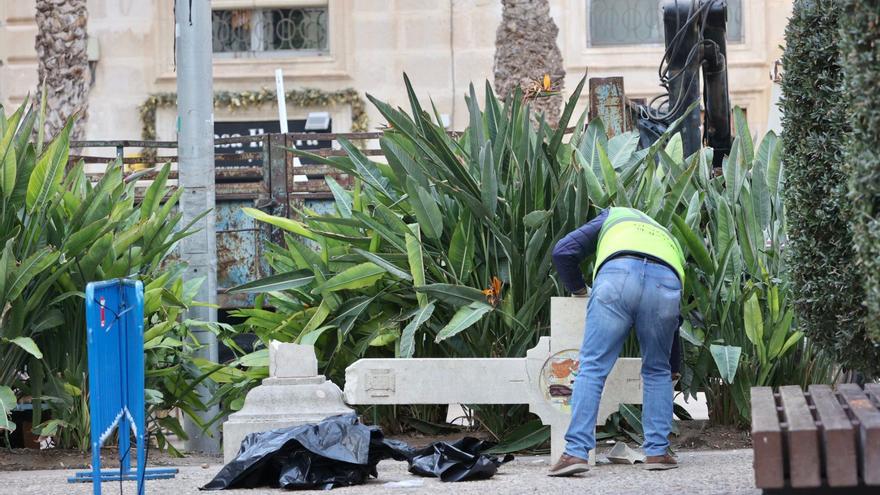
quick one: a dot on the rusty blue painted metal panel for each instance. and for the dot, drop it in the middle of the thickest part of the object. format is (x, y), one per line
(608, 102)
(239, 250)
(321, 206)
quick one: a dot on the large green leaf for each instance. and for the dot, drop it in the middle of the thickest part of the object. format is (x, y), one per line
(780, 331)
(694, 244)
(356, 277)
(284, 223)
(744, 135)
(407, 339)
(673, 198)
(8, 169)
(318, 317)
(28, 345)
(454, 295)
(489, 180)
(27, 270)
(46, 176)
(727, 359)
(463, 319)
(7, 266)
(426, 209)
(153, 195)
(753, 320)
(387, 265)
(7, 404)
(342, 197)
(621, 149)
(462, 248)
(597, 192)
(416, 263)
(368, 171)
(281, 281)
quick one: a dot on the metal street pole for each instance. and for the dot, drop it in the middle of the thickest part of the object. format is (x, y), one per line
(195, 150)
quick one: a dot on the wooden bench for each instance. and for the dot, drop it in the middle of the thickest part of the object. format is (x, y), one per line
(819, 441)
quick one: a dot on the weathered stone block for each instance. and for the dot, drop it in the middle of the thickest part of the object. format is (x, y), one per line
(292, 360)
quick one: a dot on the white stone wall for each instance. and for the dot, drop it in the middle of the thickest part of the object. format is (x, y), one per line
(442, 45)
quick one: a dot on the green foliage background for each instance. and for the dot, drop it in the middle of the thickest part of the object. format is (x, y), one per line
(860, 49)
(403, 266)
(60, 231)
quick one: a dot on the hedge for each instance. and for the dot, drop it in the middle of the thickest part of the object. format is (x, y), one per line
(824, 273)
(860, 46)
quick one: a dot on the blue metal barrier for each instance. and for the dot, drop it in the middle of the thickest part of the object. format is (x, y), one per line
(115, 328)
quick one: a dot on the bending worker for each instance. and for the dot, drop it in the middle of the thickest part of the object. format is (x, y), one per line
(637, 282)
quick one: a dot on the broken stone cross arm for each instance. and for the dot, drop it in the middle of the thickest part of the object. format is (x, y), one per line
(543, 379)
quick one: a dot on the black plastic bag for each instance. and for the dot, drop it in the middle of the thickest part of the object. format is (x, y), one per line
(339, 451)
(459, 461)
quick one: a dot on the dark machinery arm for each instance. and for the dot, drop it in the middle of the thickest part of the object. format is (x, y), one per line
(695, 34)
(716, 122)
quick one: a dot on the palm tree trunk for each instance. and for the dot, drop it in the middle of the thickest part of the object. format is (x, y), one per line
(63, 63)
(526, 51)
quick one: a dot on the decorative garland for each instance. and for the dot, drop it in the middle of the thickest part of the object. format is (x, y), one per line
(235, 100)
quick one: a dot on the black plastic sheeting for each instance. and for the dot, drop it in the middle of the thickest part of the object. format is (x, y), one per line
(340, 451)
(460, 461)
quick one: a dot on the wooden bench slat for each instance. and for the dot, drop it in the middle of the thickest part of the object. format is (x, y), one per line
(768, 461)
(869, 430)
(839, 439)
(804, 459)
(873, 389)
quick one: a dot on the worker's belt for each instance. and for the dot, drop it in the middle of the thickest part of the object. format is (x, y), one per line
(642, 257)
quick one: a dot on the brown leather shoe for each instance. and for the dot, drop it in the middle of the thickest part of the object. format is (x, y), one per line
(660, 462)
(569, 465)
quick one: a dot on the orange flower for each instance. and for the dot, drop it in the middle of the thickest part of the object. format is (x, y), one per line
(493, 293)
(546, 82)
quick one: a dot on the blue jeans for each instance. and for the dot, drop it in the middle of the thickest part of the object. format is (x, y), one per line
(627, 292)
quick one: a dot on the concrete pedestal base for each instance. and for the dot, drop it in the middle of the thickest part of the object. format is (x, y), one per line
(281, 402)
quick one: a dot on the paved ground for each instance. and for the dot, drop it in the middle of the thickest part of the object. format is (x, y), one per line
(705, 472)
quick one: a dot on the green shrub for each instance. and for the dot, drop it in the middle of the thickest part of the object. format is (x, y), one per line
(825, 274)
(59, 231)
(860, 46)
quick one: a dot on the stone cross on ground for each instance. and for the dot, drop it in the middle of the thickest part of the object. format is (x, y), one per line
(293, 395)
(543, 379)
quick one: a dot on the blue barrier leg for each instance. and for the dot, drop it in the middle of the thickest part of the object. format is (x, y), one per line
(96, 468)
(141, 460)
(124, 432)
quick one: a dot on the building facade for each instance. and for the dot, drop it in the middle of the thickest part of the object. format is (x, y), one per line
(366, 45)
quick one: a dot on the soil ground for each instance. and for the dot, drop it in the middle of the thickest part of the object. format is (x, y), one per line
(693, 435)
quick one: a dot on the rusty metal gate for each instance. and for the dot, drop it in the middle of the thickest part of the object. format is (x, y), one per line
(269, 179)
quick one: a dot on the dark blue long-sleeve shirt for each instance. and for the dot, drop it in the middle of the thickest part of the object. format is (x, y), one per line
(574, 248)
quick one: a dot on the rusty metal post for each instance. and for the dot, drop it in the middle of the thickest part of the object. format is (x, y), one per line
(608, 102)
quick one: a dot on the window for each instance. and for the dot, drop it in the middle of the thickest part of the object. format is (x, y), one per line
(636, 22)
(270, 31)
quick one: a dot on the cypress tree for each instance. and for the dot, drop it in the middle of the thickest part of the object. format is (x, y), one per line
(824, 271)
